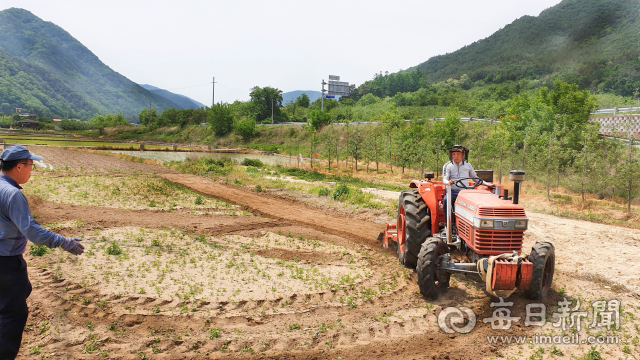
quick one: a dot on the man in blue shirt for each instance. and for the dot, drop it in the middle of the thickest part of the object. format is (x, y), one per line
(16, 226)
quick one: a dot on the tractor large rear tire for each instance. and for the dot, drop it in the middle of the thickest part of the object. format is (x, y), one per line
(431, 281)
(414, 222)
(543, 257)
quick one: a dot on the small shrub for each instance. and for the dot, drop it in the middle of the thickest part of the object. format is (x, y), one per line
(324, 191)
(198, 200)
(340, 191)
(252, 162)
(258, 188)
(38, 250)
(245, 128)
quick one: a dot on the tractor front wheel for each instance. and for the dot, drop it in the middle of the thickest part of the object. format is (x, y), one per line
(543, 257)
(414, 225)
(431, 280)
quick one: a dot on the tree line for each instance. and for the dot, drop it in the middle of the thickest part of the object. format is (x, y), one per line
(547, 134)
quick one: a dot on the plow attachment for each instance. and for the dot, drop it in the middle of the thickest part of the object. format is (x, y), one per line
(390, 234)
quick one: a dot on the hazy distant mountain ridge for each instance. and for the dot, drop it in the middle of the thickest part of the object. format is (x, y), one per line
(180, 100)
(595, 43)
(92, 87)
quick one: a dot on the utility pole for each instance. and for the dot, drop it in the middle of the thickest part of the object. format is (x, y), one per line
(149, 105)
(271, 111)
(322, 96)
(213, 92)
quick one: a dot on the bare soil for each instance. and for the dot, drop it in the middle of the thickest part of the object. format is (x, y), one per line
(76, 159)
(87, 307)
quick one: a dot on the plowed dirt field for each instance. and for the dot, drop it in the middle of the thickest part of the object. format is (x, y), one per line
(267, 277)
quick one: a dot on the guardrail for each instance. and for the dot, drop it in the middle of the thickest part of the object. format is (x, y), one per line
(616, 110)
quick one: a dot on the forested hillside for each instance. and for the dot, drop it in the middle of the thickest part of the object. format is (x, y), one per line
(31, 87)
(593, 43)
(47, 71)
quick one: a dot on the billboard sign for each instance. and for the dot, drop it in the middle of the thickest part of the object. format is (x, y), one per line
(339, 88)
(334, 77)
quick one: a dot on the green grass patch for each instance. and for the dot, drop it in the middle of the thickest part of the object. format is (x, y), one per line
(564, 198)
(203, 166)
(252, 162)
(274, 148)
(345, 179)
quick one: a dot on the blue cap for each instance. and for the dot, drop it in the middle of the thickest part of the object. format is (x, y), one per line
(18, 152)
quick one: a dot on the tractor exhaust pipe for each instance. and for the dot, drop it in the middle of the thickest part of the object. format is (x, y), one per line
(517, 176)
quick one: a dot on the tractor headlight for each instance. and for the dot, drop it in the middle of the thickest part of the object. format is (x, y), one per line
(482, 223)
(521, 224)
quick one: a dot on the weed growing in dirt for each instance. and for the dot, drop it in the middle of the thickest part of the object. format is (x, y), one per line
(38, 250)
(114, 249)
(43, 327)
(593, 354)
(214, 333)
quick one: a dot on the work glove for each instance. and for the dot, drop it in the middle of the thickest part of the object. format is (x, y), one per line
(72, 245)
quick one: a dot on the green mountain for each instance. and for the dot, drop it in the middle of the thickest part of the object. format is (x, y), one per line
(593, 43)
(47, 71)
(180, 100)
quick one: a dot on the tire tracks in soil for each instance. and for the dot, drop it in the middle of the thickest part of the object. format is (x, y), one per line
(357, 230)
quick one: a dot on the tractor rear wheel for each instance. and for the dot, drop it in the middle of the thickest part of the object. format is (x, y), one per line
(431, 280)
(414, 225)
(543, 257)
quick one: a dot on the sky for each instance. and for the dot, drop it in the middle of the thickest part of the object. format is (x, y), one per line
(291, 45)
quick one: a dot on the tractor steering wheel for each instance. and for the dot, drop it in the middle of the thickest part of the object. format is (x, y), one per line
(462, 185)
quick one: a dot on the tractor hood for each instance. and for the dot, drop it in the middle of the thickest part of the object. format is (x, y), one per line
(486, 210)
(484, 203)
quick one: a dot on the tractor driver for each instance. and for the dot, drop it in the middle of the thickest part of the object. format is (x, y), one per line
(457, 168)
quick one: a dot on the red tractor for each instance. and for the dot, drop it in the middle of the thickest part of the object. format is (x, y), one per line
(487, 226)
